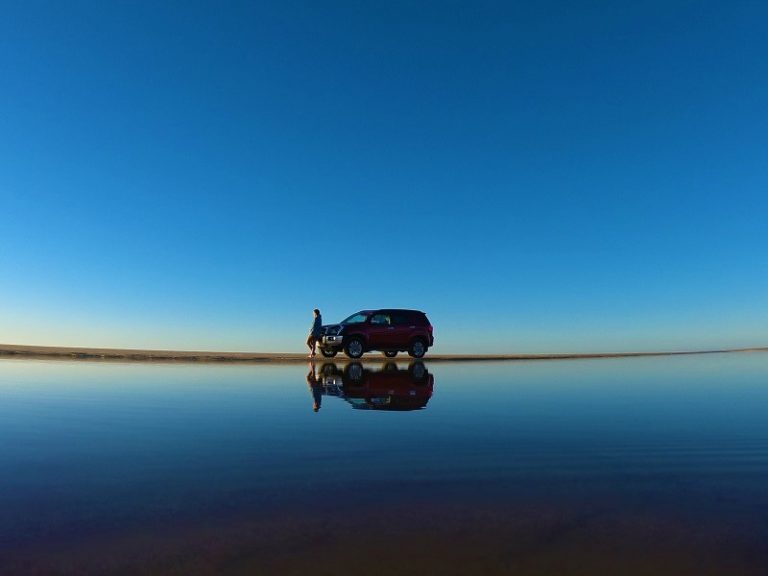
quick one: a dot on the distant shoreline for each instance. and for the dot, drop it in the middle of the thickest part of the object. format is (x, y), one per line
(8, 351)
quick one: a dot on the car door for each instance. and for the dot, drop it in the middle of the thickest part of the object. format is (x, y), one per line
(404, 330)
(380, 331)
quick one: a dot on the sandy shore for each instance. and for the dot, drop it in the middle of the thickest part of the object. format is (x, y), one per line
(69, 353)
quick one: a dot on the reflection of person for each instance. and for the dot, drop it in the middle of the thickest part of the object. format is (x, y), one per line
(315, 332)
(315, 386)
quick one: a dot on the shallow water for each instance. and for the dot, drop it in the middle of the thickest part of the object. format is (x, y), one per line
(615, 466)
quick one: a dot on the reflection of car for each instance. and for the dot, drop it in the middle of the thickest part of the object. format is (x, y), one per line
(389, 330)
(390, 388)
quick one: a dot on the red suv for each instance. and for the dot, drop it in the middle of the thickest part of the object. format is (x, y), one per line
(390, 388)
(388, 330)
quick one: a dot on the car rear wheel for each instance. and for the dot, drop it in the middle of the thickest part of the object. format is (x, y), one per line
(390, 353)
(417, 349)
(417, 370)
(328, 352)
(354, 348)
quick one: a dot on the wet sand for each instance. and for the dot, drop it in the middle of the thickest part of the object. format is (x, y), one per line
(429, 538)
(135, 355)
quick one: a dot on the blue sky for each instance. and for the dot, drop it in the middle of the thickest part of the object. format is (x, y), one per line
(537, 177)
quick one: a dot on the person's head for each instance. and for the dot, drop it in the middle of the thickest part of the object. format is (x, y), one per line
(317, 312)
(316, 407)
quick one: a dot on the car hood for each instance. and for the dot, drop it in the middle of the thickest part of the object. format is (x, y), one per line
(331, 328)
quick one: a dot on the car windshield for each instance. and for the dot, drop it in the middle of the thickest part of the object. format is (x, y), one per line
(358, 318)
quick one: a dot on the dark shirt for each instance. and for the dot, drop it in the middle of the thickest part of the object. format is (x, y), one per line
(317, 395)
(317, 327)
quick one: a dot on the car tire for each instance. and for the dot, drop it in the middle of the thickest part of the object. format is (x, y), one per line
(417, 349)
(353, 373)
(354, 347)
(390, 353)
(418, 371)
(328, 352)
(329, 370)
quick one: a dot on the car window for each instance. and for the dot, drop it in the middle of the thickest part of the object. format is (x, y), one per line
(358, 318)
(381, 319)
(401, 320)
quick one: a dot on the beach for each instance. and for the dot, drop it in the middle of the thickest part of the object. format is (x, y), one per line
(138, 355)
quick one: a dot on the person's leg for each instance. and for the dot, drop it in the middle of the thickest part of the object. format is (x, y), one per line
(310, 342)
(314, 345)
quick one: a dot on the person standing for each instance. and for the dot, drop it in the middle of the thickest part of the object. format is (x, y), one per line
(315, 387)
(315, 333)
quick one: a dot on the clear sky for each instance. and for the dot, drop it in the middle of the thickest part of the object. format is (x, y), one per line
(536, 176)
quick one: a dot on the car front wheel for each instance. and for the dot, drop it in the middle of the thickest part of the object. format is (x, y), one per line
(390, 353)
(354, 348)
(417, 349)
(328, 352)
(354, 373)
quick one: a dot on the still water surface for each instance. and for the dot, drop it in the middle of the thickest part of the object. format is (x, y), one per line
(625, 466)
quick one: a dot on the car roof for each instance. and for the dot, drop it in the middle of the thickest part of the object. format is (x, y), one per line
(373, 311)
(398, 310)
